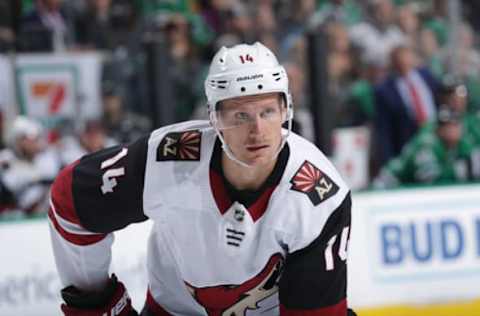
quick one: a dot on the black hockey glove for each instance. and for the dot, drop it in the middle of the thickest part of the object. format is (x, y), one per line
(113, 300)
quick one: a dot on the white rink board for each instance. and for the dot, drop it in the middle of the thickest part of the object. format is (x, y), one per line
(383, 269)
(415, 246)
(29, 284)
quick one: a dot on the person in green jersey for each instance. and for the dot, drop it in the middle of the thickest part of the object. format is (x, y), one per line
(456, 94)
(440, 155)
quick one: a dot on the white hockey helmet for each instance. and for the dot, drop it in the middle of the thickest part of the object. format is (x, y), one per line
(24, 126)
(244, 70)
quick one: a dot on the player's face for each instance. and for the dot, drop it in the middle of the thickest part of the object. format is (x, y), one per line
(254, 127)
(29, 146)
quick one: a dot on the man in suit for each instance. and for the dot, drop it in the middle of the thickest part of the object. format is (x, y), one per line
(404, 102)
(46, 28)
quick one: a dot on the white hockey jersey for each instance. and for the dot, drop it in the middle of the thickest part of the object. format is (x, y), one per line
(284, 252)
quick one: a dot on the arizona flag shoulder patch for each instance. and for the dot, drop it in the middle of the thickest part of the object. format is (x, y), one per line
(180, 146)
(314, 183)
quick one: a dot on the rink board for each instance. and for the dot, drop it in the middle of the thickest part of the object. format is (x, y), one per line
(470, 308)
(412, 252)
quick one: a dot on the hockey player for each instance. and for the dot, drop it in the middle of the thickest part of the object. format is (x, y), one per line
(249, 218)
(28, 167)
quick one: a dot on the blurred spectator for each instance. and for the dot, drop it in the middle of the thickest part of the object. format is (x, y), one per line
(185, 68)
(339, 60)
(437, 21)
(429, 52)
(360, 100)
(340, 68)
(48, 27)
(454, 93)
(297, 53)
(28, 166)
(293, 26)
(347, 12)
(468, 56)
(8, 11)
(104, 25)
(212, 15)
(378, 34)
(404, 102)
(409, 24)
(198, 14)
(472, 127)
(239, 22)
(440, 155)
(90, 137)
(464, 62)
(302, 122)
(265, 25)
(265, 20)
(120, 124)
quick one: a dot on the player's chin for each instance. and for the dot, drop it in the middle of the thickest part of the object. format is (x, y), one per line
(260, 158)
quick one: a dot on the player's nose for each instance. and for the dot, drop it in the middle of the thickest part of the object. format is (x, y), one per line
(256, 124)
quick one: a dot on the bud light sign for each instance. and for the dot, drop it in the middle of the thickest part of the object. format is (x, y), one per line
(426, 241)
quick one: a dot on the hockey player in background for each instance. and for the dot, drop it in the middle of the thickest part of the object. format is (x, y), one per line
(28, 167)
(249, 218)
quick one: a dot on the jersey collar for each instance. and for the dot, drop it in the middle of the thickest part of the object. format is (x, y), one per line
(255, 202)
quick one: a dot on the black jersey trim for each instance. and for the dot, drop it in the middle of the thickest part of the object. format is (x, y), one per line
(106, 212)
(306, 283)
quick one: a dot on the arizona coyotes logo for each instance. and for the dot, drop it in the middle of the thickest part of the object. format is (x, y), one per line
(314, 183)
(234, 300)
(180, 146)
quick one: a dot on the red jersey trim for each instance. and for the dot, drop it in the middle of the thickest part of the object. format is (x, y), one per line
(220, 195)
(339, 309)
(258, 208)
(62, 199)
(77, 239)
(154, 307)
(62, 196)
(219, 192)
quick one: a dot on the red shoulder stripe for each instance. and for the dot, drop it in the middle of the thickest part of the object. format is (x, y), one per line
(62, 196)
(339, 309)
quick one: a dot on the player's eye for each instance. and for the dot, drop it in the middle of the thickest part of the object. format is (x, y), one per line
(269, 113)
(242, 117)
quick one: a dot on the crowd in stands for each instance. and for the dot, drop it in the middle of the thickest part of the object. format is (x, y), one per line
(398, 67)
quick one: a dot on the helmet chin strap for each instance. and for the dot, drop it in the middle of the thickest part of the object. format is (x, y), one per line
(231, 155)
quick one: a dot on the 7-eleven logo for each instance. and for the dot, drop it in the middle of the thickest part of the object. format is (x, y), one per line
(51, 92)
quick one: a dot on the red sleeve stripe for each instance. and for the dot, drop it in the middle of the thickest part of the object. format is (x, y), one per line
(68, 226)
(339, 309)
(62, 196)
(77, 239)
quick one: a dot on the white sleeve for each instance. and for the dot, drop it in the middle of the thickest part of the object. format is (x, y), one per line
(82, 257)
